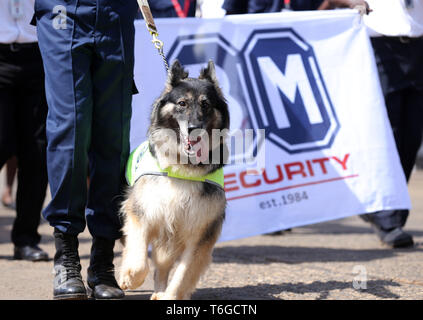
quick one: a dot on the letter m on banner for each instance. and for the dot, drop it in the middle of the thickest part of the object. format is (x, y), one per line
(287, 94)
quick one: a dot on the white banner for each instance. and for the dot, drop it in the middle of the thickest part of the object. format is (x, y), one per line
(309, 80)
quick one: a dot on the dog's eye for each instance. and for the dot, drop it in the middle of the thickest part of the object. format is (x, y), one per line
(182, 103)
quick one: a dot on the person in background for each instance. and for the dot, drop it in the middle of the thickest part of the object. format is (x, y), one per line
(211, 8)
(173, 8)
(419, 161)
(334, 4)
(23, 111)
(7, 196)
(263, 6)
(396, 30)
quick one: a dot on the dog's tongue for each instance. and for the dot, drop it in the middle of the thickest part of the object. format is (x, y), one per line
(199, 145)
(193, 142)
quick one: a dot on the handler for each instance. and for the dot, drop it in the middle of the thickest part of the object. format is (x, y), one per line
(88, 52)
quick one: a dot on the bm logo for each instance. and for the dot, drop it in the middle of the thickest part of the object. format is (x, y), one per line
(275, 82)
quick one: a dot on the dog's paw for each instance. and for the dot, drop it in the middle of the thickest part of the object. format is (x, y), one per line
(132, 279)
(157, 296)
(162, 296)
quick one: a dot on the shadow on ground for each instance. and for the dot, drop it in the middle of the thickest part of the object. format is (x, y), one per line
(334, 227)
(377, 288)
(138, 295)
(293, 255)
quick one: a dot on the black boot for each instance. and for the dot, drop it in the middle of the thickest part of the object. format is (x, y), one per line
(101, 273)
(68, 284)
(389, 233)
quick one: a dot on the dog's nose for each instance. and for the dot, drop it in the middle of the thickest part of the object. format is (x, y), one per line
(191, 128)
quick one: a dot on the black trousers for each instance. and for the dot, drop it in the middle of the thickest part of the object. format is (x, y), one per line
(23, 111)
(400, 66)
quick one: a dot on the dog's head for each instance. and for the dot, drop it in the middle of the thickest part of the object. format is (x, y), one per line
(194, 109)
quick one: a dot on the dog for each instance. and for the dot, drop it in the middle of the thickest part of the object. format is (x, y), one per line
(176, 210)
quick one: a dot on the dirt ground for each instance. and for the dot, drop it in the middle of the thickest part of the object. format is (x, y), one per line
(321, 261)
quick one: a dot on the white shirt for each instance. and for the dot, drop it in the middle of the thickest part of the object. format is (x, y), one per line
(15, 16)
(212, 9)
(395, 18)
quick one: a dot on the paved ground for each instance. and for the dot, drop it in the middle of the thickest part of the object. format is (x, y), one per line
(313, 262)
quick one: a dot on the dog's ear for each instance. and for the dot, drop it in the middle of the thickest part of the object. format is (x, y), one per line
(209, 73)
(176, 74)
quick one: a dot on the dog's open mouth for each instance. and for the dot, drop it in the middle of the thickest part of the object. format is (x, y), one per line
(196, 147)
(190, 148)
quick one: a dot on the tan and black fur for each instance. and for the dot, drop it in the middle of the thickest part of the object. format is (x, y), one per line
(180, 219)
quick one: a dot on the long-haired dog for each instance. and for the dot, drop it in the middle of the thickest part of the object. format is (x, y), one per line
(175, 209)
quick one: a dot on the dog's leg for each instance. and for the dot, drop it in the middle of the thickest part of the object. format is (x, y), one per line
(163, 259)
(194, 261)
(134, 267)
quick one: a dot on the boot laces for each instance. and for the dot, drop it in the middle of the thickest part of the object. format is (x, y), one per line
(71, 262)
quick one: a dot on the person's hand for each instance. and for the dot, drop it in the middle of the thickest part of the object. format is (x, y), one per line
(361, 5)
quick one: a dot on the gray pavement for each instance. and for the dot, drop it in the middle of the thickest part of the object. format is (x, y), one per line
(318, 261)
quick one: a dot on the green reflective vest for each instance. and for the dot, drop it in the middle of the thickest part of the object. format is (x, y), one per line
(141, 162)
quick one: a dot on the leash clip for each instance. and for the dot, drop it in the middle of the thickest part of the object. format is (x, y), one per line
(157, 43)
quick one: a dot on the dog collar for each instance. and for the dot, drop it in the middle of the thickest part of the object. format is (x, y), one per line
(141, 162)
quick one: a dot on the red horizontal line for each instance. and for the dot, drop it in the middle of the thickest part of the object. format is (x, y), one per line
(292, 187)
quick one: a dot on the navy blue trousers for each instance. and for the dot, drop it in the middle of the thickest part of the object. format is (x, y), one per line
(88, 54)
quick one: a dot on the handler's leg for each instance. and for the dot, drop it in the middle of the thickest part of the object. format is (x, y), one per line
(67, 56)
(112, 90)
(68, 86)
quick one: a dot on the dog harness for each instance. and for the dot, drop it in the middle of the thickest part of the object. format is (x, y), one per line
(141, 162)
